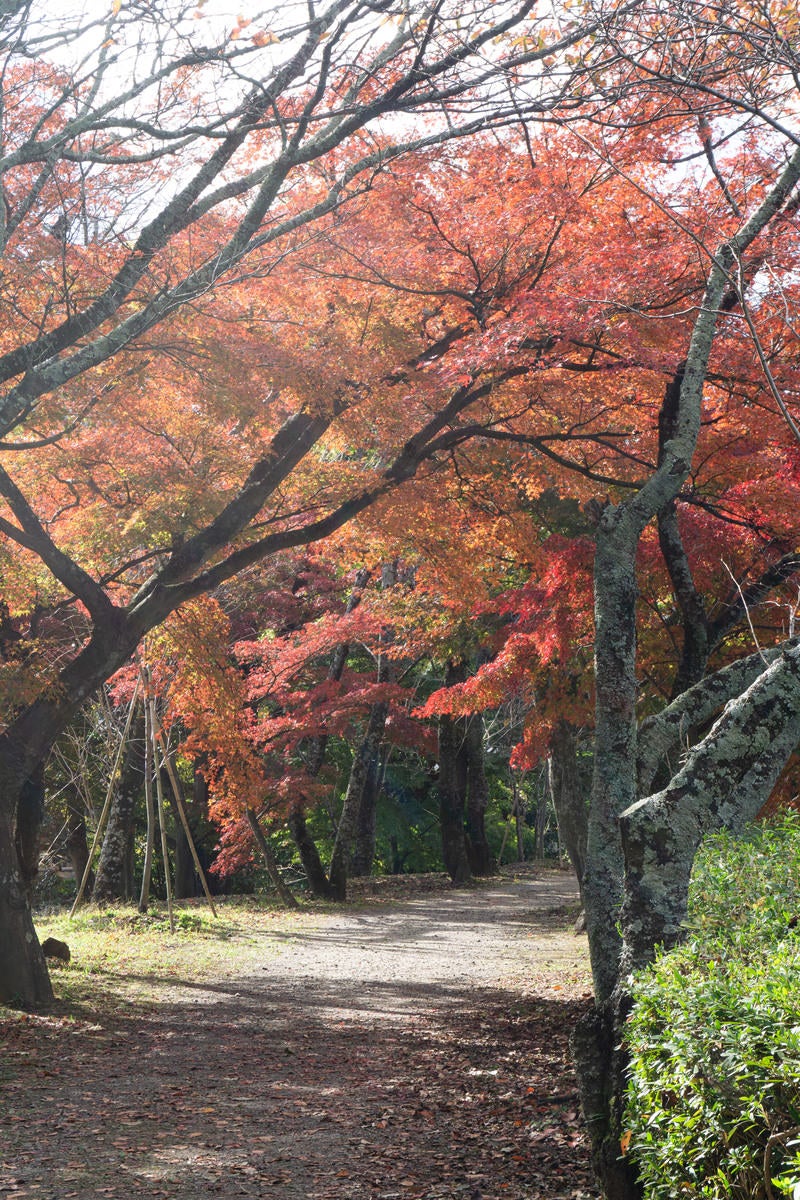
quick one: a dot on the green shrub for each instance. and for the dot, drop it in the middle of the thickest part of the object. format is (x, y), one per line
(715, 1032)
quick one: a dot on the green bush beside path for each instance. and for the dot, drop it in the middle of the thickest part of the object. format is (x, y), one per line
(713, 1105)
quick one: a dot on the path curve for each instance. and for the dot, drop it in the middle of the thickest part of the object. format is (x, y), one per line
(388, 962)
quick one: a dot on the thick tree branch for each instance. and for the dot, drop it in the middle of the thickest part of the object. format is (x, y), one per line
(668, 731)
(723, 783)
(33, 536)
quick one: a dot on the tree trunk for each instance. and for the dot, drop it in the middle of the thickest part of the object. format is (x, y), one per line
(316, 876)
(114, 880)
(24, 980)
(270, 862)
(540, 822)
(76, 844)
(398, 859)
(309, 855)
(363, 774)
(150, 812)
(185, 884)
(481, 859)
(694, 655)
(27, 834)
(567, 794)
(368, 785)
(363, 856)
(654, 887)
(187, 881)
(452, 799)
(664, 733)
(725, 781)
(363, 851)
(520, 806)
(601, 1063)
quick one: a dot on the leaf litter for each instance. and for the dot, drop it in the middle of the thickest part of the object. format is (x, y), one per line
(416, 1048)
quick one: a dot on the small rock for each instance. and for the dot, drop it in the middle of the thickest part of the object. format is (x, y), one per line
(53, 948)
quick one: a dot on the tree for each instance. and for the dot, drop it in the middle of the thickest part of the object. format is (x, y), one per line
(641, 846)
(651, 842)
(722, 398)
(260, 710)
(124, 206)
(600, 371)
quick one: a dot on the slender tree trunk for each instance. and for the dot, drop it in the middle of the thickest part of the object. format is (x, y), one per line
(397, 858)
(519, 820)
(114, 879)
(270, 861)
(364, 769)
(452, 788)
(316, 876)
(568, 796)
(77, 845)
(187, 881)
(150, 835)
(363, 856)
(318, 882)
(185, 885)
(481, 859)
(696, 647)
(540, 823)
(362, 853)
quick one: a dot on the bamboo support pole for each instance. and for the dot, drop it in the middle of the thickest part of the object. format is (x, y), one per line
(144, 895)
(109, 792)
(176, 791)
(162, 821)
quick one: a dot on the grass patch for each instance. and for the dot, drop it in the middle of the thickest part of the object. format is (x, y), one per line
(121, 957)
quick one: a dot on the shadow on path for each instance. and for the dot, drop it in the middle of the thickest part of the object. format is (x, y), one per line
(341, 1071)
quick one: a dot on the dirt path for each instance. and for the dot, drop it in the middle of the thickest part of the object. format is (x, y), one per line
(413, 1049)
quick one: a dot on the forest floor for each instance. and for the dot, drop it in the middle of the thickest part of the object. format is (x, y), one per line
(410, 1047)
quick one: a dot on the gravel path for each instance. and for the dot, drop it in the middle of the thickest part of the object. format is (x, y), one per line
(390, 963)
(413, 1049)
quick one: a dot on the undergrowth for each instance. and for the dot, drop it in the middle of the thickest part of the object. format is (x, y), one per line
(713, 1107)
